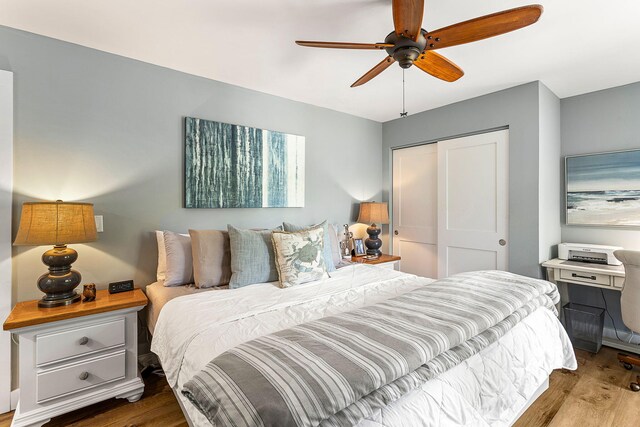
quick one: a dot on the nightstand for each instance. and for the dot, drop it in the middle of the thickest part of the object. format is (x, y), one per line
(384, 261)
(76, 355)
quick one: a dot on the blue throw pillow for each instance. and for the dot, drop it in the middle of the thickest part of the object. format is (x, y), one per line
(252, 257)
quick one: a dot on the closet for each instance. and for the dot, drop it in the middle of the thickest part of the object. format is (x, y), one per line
(449, 205)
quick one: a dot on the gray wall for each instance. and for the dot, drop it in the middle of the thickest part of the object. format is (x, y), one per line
(596, 122)
(550, 174)
(516, 108)
(101, 128)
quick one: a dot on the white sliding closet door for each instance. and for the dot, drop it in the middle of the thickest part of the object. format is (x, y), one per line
(472, 203)
(6, 189)
(415, 204)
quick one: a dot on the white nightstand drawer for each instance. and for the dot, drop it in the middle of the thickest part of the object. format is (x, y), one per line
(74, 342)
(58, 382)
(580, 276)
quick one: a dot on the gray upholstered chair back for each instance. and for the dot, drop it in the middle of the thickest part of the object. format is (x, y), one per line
(630, 299)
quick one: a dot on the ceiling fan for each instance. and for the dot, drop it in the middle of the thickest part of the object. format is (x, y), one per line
(411, 45)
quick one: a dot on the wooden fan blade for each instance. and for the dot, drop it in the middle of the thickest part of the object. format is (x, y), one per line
(438, 66)
(383, 65)
(484, 27)
(340, 45)
(407, 17)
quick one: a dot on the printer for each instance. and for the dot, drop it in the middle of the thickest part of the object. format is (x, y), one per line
(582, 252)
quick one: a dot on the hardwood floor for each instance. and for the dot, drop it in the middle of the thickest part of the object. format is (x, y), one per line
(597, 394)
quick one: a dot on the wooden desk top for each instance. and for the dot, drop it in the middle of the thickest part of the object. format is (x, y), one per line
(382, 259)
(27, 313)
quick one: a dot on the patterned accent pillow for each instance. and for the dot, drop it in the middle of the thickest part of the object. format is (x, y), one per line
(299, 256)
(328, 256)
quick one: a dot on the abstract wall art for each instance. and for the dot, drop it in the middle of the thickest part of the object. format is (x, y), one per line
(232, 166)
(604, 189)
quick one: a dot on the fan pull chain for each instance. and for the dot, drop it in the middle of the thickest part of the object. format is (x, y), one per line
(404, 110)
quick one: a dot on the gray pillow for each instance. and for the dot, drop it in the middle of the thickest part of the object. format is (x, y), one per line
(252, 257)
(326, 250)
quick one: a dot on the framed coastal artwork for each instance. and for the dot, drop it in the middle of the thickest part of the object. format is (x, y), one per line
(604, 189)
(232, 166)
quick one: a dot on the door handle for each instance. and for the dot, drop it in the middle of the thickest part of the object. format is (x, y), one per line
(396, 232)
(502, 242)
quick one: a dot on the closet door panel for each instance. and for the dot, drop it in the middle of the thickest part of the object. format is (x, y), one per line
(472, 203)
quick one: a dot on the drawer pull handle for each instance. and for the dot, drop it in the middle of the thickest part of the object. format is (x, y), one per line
(83, 376)
(84, 341)
(583, 277)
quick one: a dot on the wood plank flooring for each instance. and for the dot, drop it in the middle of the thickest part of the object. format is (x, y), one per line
(597, 394)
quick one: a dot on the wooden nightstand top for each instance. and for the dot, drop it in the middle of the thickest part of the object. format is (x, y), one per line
(380, 260)
(27, 313)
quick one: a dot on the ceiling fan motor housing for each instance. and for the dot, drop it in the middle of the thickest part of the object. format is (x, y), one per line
(405, 50)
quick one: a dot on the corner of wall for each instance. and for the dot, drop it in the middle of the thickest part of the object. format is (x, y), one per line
(549, 172)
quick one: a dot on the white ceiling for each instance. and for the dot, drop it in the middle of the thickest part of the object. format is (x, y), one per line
(576, 47)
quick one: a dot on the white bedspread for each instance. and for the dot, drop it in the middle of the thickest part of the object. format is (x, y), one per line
(191, 330)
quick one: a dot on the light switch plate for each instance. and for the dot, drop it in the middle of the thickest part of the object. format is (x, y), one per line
(99, 224)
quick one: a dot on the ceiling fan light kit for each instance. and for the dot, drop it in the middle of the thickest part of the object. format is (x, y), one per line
(409, 44)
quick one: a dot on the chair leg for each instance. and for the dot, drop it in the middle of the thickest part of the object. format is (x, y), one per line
(628, 360)
(635, 386)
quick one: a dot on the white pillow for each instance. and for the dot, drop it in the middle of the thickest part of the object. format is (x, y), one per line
(179, 260)
(162, 256)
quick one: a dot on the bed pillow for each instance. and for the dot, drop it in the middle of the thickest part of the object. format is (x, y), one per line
(252, 257)
(326, 249)
(162, 256)
(179, 269)
(211, 257)
(299, 256)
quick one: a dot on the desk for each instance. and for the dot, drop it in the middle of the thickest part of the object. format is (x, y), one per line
(609, 277)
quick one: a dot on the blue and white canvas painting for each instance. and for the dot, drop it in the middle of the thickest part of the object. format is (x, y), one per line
(604, 189)
(231, 166)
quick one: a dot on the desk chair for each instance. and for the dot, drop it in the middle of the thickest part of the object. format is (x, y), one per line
(630, 304)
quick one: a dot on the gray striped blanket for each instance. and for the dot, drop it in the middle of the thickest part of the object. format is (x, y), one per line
(338, 370)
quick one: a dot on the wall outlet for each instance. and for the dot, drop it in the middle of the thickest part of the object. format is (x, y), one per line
(99, 224)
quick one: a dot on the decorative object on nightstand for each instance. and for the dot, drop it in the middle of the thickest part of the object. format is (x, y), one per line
(358, 247)
(89, 292)
(345, 243)
(77, 355)
(57, 223)
(372, 213)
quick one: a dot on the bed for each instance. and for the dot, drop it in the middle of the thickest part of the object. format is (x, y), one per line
(492, 387)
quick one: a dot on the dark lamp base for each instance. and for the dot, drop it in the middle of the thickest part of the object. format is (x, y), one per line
(373, 243)
(60, 282)
(48, 303)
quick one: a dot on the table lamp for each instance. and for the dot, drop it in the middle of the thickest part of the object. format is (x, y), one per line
(372, 213)
(57, 223)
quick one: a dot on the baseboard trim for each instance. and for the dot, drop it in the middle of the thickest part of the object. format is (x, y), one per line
(15, 396)
(621, 345)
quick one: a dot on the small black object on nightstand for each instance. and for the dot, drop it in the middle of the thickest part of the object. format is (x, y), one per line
(117, 287)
